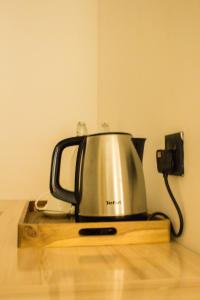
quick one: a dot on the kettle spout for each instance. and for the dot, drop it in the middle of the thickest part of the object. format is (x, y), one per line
(139, 146)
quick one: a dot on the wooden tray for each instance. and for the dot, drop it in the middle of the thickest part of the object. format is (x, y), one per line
(36, 230)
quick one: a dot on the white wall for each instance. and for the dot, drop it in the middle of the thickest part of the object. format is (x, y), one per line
(149, 85)
(48, 79)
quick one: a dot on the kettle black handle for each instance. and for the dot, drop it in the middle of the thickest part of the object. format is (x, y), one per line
(139, 146)
(55, 187)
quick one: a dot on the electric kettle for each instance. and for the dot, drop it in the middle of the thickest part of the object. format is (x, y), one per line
(109, 179)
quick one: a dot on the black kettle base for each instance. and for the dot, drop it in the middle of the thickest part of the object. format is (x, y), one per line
(138, 217)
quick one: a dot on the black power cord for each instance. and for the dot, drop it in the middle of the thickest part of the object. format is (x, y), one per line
(152, 216)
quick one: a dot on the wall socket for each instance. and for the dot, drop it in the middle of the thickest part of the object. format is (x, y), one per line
(174, 142)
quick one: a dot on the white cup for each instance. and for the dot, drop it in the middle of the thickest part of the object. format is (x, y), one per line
(53, 206)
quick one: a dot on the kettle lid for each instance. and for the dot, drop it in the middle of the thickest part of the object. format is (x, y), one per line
(109, 132)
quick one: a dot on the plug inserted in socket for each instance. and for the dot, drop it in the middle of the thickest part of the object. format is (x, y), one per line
(174, 142)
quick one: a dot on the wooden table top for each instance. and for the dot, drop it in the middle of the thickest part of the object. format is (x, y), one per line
(153, 271)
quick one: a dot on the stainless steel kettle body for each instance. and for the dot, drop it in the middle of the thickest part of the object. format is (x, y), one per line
(109, 179)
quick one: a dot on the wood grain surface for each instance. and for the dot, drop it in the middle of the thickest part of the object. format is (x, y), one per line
(155, 271)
